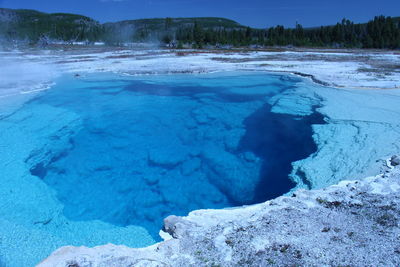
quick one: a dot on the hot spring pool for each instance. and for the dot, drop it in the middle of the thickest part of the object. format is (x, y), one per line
(129, 151)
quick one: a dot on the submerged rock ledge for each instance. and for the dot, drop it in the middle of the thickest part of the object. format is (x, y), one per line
(354, 223)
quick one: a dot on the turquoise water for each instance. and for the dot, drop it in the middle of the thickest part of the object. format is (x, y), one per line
(131, 151)
(149, 149)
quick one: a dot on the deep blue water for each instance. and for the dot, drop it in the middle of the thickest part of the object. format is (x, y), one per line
(150, 147)
(288, 139)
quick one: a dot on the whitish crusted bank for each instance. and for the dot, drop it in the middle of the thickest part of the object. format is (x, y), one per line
(354, 223)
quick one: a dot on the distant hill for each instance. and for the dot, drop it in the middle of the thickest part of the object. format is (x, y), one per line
(31, 25)
(160, 24)
(163, 28)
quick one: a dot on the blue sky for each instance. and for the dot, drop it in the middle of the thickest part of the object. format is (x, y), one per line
(256, 13)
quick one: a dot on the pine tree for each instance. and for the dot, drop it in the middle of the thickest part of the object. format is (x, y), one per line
(168, 23)
(198, 35)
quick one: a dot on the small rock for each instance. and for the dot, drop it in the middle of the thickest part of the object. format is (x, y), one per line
(176, 226)
(395, 161)
(326, 229)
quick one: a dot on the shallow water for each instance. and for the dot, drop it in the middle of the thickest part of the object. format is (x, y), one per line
(146, 148)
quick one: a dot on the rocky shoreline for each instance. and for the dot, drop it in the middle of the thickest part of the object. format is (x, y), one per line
(354, 223)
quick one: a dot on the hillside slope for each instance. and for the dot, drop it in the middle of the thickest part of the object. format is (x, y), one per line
(159, 24)
(164, 28)
(32, 25)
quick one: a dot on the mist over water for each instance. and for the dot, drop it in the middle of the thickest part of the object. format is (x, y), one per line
(20, 79)
(19, 76)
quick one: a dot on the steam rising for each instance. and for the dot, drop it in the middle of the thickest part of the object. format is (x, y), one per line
(19, 77)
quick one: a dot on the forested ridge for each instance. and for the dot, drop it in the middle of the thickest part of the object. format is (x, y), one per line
(35, 27)
(31, 25)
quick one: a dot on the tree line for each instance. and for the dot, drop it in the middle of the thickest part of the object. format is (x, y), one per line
(33, 26)
(381, 32)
